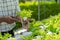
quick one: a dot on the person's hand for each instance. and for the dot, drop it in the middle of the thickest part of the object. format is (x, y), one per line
(17, 18)
(8, 19)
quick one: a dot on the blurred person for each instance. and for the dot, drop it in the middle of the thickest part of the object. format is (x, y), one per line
(8, 9)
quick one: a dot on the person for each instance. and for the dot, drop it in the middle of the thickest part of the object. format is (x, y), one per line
(8, 9)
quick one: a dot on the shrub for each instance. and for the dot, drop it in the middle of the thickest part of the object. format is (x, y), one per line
(50, 30)
(52, 23)
(46, 9)
(5, 37)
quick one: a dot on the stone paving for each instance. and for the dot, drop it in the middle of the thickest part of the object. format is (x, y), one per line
(18, 33)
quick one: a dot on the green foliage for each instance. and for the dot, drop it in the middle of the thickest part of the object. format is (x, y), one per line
(27, 37)
(5, 37)
(46, 9)
(35, 25)
(47, 37)
(18, 25)
(13, 39)
(53, 23)
(51, 31)
(25, 13)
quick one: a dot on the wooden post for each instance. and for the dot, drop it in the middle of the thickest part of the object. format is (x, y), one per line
(39, 10)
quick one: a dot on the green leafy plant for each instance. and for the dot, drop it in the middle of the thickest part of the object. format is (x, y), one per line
(51, 31)
(27, 37)
(35, 25)
(53, 23)
(5, 37)
(25, 13)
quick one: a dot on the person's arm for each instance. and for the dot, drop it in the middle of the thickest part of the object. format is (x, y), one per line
(1, 20)
(6, 19)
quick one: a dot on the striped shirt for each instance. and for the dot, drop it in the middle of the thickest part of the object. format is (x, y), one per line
(8, 8)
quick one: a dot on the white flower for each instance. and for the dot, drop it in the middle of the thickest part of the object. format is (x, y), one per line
(49, 32)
